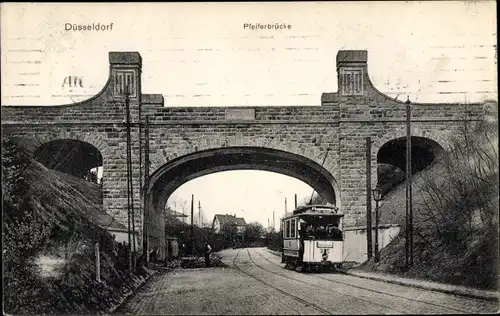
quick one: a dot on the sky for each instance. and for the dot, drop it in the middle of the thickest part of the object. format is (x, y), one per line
(243, 194)
(200, 54)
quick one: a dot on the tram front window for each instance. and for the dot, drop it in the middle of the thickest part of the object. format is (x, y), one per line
(316, 228)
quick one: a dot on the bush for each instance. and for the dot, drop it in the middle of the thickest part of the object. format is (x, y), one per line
(456, 220)
(38, 220)
(275, 241)
(460, 202)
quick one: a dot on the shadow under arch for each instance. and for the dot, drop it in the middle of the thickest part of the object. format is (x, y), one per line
(424, 152)
(74, 157)
(169, 177)
(391, 159)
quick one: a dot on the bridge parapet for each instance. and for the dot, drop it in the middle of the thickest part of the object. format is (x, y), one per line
(359, 99)
(356, 100)
(153, 100)
(253, 115)
(106, 106)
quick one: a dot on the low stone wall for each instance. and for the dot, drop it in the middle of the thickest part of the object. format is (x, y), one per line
(355, 240)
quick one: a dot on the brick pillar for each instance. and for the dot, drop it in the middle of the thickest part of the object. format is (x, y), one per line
(352, 88)
(125, 70)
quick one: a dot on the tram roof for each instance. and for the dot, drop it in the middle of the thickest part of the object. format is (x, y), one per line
(316, 214)
(316, 210)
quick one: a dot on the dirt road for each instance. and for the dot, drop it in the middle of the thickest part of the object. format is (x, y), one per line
(254, 282)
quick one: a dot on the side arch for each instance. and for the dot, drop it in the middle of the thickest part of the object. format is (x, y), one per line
(438, 136)
(389, 154)
(70, 156)
(93, 139)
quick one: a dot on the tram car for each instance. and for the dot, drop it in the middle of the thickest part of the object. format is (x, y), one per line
(313, 238)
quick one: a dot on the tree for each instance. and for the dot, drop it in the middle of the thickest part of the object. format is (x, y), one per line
(275, 241)
(229, 231)
(254, 231)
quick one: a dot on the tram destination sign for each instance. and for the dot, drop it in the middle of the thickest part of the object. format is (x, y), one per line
(333, 210)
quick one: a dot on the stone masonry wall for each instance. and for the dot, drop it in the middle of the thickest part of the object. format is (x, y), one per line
(340, 125)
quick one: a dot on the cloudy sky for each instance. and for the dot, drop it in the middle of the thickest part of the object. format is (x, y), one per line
(201, 55)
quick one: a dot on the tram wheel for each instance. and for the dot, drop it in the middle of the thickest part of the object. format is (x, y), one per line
(299, 268)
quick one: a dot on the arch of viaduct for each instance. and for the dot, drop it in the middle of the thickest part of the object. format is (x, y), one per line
(323, 145)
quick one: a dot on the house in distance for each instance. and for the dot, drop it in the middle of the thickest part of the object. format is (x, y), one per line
(220, 220)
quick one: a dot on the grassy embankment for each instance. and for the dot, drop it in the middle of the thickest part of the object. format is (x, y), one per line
(51, 224)
(455, 203)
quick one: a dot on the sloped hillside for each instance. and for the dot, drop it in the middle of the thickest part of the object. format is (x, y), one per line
(455, 206)
(90, 190)
(393, 206)
(50, 229)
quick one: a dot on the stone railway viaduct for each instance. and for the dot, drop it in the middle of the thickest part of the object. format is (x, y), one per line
(324, 146)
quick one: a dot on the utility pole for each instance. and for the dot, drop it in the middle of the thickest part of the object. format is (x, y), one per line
(368, 198)
(130, 212)
(377, 196)
(295, 200)
(199, 212)
(141, 192)
(274, 223)
(409, 210)
(285, 207)
(191, 236)
(145, 244)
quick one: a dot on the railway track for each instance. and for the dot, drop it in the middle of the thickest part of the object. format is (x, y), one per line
(368, 289)
(306, 303)
(400, 311)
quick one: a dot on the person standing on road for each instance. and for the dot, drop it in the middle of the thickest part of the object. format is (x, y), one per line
(208, 250)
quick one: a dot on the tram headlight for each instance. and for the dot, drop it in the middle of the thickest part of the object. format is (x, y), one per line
(324, 255)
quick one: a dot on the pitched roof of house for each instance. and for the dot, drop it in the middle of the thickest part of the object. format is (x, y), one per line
(172, 213)
(177, 214)
(224, 219)
(240, 221)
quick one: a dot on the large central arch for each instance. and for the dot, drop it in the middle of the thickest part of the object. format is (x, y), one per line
(169, 177)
